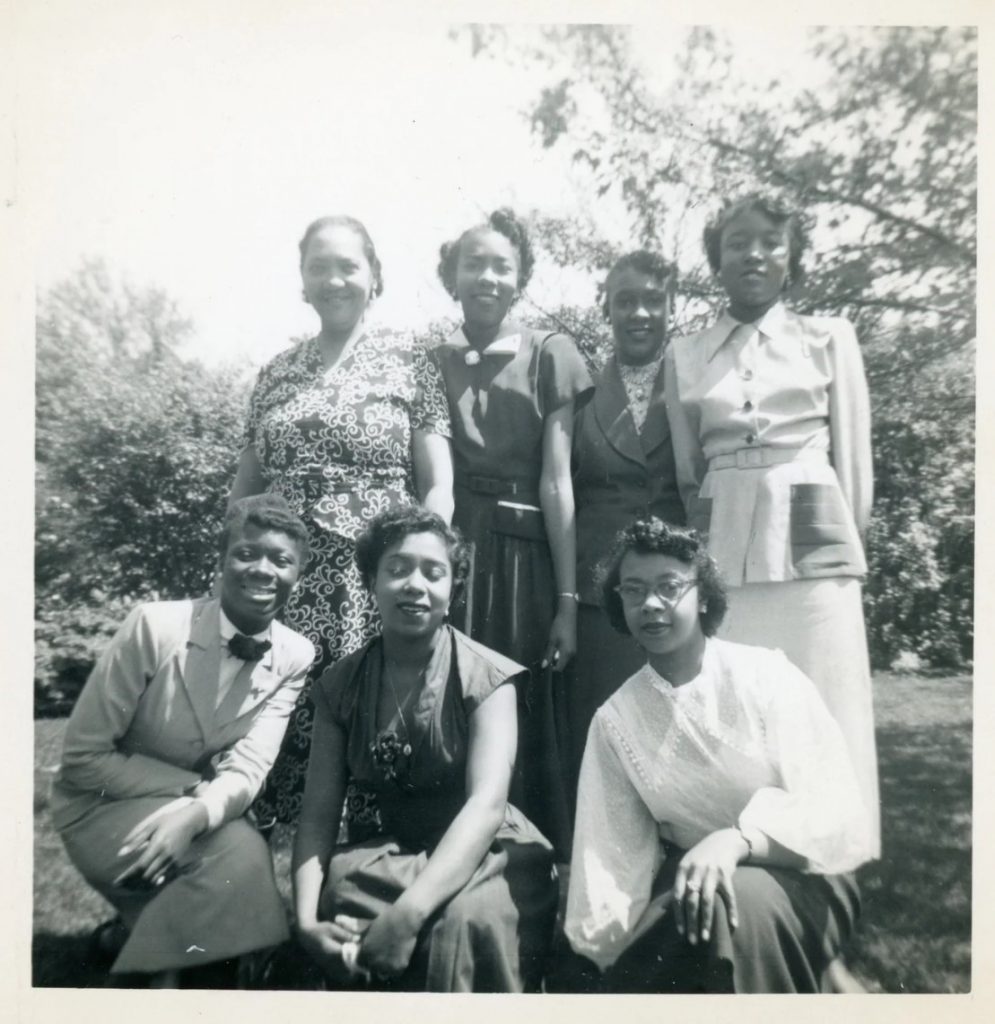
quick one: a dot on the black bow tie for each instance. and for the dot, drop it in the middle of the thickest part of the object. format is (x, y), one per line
(248, 648)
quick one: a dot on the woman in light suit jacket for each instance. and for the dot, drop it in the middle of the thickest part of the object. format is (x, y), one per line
(623, 469)
(168, 744)
(771, 422)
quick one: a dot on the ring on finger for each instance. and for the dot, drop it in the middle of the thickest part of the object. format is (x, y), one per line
(694, 886)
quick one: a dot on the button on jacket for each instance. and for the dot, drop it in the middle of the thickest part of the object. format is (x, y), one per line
(771, 433)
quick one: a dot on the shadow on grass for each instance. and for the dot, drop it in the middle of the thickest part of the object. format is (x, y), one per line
(916, 930)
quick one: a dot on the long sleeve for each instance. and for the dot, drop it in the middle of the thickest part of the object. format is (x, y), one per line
(104, 712)
(850, 423)
(243, 767)
(689, 458)
(817, 811)
(616, 852)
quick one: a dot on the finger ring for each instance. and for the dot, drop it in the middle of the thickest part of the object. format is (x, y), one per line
(694, 886)
(159, 879)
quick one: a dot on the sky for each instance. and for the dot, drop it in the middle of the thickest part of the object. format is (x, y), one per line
(190, 145)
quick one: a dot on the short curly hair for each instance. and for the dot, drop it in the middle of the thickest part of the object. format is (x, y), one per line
(391, 527)
(505, 222)
(645, 262)
(773, 209)
(341, 220)
(268, 511)
(652, 536)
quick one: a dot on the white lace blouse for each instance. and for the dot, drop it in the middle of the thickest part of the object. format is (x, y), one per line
(748, 742)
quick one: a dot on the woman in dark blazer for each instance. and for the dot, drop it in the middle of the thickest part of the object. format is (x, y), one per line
(623, 468)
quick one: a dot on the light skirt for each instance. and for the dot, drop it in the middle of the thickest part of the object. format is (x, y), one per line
(819, 625)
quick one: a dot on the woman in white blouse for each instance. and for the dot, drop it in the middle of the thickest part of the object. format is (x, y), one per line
(718, 813)
(770, 419)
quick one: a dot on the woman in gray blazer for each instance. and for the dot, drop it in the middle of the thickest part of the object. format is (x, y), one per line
(623, 468)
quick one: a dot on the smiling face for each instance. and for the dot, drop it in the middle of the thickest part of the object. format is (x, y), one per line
(413, 586)
(754, 254)
(660, 627)
(337, 276)
(259, 572)
(638, 307)
(486, 276)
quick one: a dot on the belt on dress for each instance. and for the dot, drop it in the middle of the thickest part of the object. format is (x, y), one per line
(761, 456)
(525, 490)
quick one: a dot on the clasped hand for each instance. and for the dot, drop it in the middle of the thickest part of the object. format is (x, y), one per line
(704, 873)
(161, 840)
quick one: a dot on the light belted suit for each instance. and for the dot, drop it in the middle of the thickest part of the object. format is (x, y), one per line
(145, 731)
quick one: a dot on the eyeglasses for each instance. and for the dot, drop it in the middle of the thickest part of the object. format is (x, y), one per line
(669, 590)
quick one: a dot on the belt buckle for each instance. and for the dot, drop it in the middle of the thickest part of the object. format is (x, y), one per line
(750, 458)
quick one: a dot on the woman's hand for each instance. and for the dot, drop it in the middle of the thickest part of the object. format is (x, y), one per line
(705, 871)
(562, 643)
(162, 839)
(389, 942)
(323, 941)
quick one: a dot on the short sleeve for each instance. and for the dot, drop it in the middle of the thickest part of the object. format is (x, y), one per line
(481, 670)
(430, 410)
(336, 689)
(563, 375)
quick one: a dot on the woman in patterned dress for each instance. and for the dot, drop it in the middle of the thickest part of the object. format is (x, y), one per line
(344, 425)
(771, 424)
(512, 393)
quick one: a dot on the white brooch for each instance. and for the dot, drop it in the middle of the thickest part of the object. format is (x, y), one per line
(472, 358)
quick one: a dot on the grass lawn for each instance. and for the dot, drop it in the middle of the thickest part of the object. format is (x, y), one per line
(915, 935)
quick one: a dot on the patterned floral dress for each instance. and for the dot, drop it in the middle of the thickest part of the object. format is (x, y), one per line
(336, 444)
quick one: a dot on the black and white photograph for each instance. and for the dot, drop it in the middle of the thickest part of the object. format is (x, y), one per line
(503, 504)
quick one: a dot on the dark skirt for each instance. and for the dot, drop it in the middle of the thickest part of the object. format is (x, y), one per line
(492, 936)
(223, 902)
(509, 606)
(791, 927)
(605, 659)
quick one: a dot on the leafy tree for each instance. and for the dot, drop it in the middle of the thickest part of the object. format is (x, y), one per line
(136, 449)
(880, 151)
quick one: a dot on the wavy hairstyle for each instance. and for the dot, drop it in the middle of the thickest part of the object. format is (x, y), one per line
(391, 527)
(645, 262)
(505, 222)
(775, 210)
(652, 536)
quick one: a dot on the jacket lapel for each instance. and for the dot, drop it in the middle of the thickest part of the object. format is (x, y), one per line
(656, 429)
(611, 406)
(200, 665)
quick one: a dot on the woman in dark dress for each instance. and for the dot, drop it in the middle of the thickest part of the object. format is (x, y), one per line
(343, 425)
(623, 468)
(512, 393)
(459, 894)
(719, 818)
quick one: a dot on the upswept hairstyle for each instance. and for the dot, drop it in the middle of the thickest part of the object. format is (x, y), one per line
(391, 527)
(269, 512)
(341, 220)
(645, 262)
(775, 210)
(652, 536)
(504, 221)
